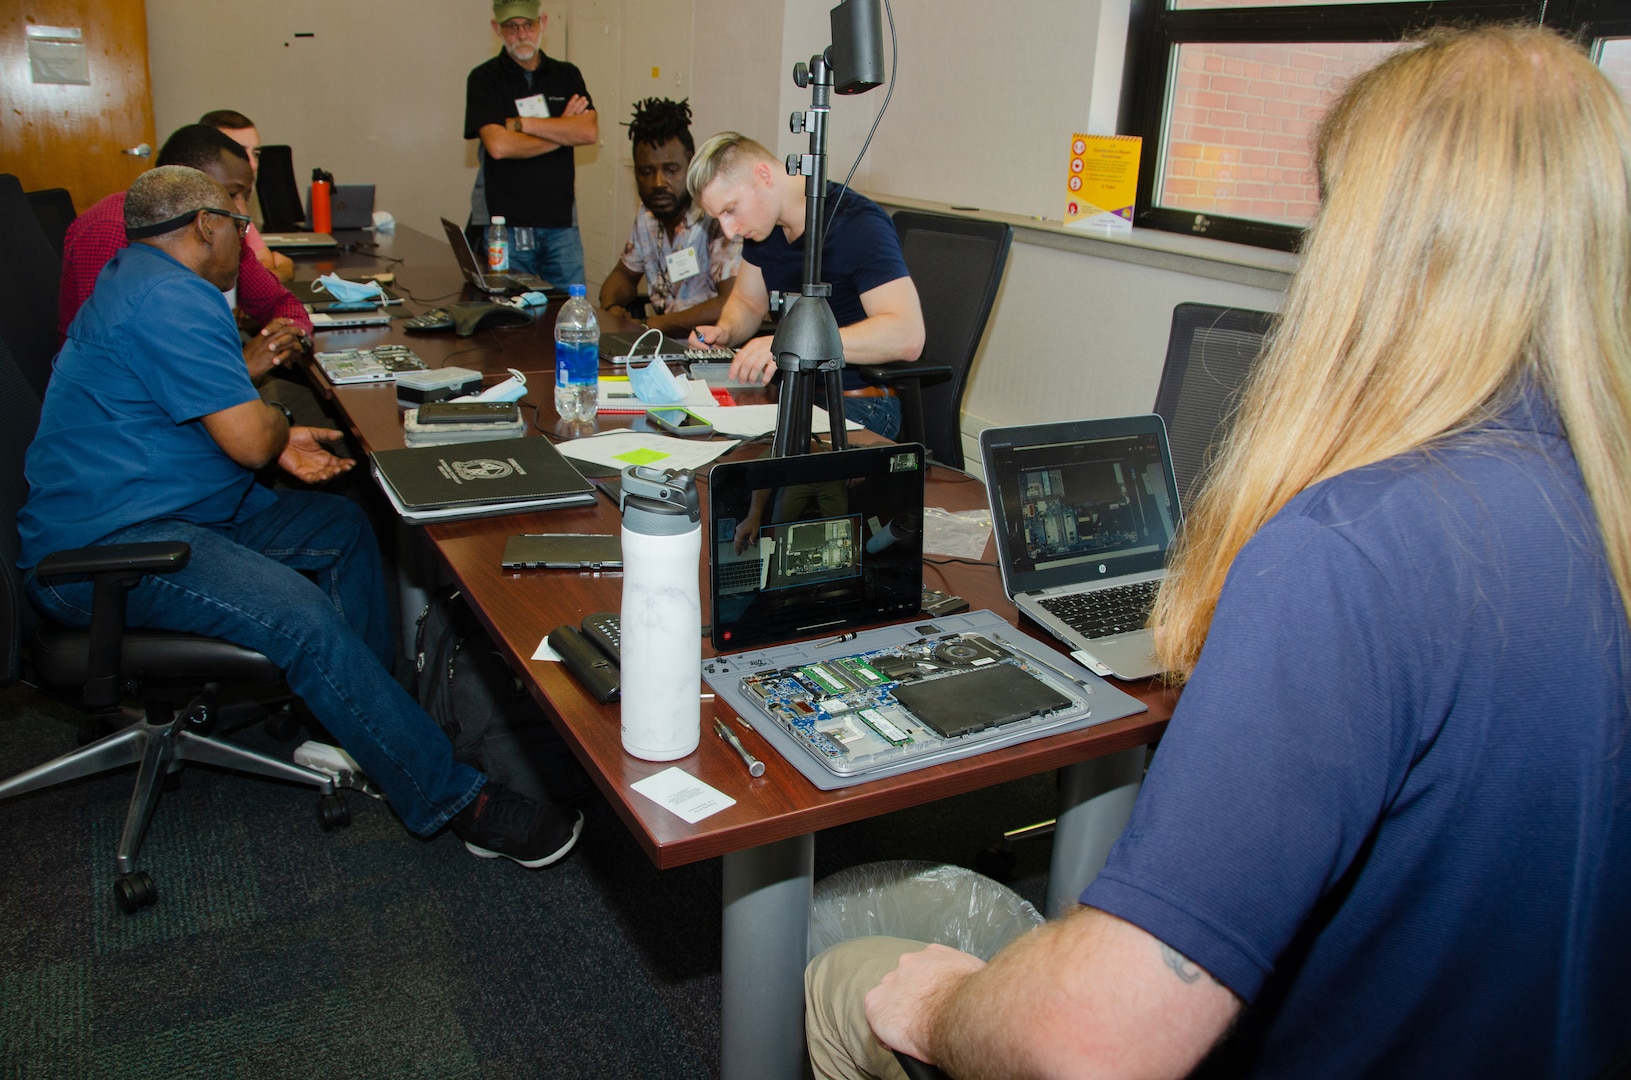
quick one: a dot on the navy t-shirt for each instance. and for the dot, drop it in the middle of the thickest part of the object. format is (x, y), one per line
(1393, 808)
(120, 440)
(859, 253)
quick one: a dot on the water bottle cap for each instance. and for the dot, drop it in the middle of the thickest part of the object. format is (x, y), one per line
(577, 290)
(498, 219)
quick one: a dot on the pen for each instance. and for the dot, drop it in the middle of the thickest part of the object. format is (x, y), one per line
(755, 766)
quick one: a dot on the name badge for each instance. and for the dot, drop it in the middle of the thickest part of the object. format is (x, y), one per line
(534, 106)
(682, 264)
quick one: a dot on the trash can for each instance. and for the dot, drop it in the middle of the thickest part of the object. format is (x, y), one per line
(924, 901)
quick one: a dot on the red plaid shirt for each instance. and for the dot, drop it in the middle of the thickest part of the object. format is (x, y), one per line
(97, 234)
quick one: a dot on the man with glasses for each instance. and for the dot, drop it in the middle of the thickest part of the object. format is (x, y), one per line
(529, 110)
(99, 233)
(151, 431)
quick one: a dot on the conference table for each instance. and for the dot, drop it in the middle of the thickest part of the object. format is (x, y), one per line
(767, 839)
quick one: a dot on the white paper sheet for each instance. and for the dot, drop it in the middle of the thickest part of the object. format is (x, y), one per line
(620, 449)
(681, 793)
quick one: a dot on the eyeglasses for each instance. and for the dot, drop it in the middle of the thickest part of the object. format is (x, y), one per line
(517, 27)
(243, 221)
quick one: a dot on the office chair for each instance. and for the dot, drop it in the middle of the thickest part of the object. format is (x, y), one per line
(956, 264)
(177, 677)
(54, 210)
(1210, 351)
(281, 209)
(30, 277)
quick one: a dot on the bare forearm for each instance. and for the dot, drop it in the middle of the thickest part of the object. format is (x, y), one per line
(703, 314)
(881, 339)
(579, 130)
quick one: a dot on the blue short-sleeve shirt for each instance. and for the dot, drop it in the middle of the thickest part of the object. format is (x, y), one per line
(120, 440)
(1393, 809)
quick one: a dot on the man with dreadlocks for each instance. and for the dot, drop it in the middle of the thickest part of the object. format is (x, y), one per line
(685, 257)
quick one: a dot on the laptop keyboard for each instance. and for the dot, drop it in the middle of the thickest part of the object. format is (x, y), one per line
(1104, 612)
(736, 575)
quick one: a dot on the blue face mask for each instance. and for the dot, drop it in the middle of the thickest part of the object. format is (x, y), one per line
(654, 384)
(348, 292)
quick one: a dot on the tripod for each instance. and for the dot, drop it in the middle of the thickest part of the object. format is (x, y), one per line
(807, 342)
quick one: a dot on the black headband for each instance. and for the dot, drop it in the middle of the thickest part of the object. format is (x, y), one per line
(142, 232)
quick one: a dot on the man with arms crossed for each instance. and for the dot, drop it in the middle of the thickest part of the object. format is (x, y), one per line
(684, 256)
(739, 182)
(529, 111)
(1388, 831)
(150, 431)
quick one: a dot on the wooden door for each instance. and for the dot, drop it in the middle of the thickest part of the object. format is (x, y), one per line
(75, 136)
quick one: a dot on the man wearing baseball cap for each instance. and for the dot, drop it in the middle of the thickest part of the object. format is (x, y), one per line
(529, 110)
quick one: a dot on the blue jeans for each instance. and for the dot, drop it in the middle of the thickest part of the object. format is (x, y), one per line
(879, 414)
(558, 258)
(301, 583)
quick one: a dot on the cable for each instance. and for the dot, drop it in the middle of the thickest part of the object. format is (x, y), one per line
(894, 60)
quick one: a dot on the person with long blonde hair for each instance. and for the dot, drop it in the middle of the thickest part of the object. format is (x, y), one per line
(1388, 832)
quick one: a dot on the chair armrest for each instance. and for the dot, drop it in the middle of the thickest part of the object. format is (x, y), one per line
(154, 557)
(899, 371)
(917, 1070)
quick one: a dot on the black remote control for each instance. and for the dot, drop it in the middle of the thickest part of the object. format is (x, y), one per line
(593, 668)
(602, 628)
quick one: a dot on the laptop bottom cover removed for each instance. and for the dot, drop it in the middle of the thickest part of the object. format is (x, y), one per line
(897, 698)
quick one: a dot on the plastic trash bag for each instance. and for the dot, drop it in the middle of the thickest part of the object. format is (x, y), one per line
(924, 901)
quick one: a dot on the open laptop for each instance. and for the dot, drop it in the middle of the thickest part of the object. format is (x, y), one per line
(500, 284)
(1083, 514)
(351, 206)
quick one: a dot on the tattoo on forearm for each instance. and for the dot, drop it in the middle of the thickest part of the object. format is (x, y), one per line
(1180, 964)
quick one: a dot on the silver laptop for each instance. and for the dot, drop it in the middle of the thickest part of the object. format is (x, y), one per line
(501, 284)
(1083, 514)
(351, 206)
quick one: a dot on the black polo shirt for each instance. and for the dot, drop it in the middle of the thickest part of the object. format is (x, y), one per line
(534, 191)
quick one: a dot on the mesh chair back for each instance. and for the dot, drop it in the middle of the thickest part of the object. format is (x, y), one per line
(957, 265)
(1210, 352)
(54, 210)
(278, 191)
(19, 416)
(30, 276)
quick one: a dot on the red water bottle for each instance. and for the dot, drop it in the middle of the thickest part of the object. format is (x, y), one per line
(321, 219)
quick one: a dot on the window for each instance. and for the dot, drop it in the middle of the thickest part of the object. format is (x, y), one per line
(1227, 97)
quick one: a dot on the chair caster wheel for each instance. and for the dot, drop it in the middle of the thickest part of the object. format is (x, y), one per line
(134, 891)
(283, 725)
(996, 863)
(333, 812)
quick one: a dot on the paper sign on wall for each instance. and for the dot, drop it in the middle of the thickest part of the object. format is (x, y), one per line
(1101, 182)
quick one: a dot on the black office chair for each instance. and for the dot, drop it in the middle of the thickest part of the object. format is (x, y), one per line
(177, 677)
(1210, 351)
(957, 264)
(281, 209)
(30, 276)
(54, 210)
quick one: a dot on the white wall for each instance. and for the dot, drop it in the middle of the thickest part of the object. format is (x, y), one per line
(986, 99)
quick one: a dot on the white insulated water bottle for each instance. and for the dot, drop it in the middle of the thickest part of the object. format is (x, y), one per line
(661, 620)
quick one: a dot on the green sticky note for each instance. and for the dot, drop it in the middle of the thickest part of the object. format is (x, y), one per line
(642, 456)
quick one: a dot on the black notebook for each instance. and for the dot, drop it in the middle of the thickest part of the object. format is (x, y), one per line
(507, 476)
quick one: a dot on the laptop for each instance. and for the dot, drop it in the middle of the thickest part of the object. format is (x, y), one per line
(351, 206)
(501, 284)
(615, 347)
(298, 241)
(1083, 514)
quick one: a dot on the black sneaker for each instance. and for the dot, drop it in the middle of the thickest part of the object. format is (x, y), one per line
(499, 821)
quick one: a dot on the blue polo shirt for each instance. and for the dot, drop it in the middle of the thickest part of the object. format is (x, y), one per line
(120, 440)
(1393, 809)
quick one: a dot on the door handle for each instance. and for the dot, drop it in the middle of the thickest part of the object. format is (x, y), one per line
(138, 151)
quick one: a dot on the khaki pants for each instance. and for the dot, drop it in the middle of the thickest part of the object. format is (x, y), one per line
(842, 1046)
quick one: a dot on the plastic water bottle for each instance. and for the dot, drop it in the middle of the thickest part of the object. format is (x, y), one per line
(577, 357)
(498, 246)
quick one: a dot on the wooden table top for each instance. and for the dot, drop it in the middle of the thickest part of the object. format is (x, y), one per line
(519, 609)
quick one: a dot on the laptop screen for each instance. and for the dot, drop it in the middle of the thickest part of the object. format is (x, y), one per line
(814, 544)
(1080, 501)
